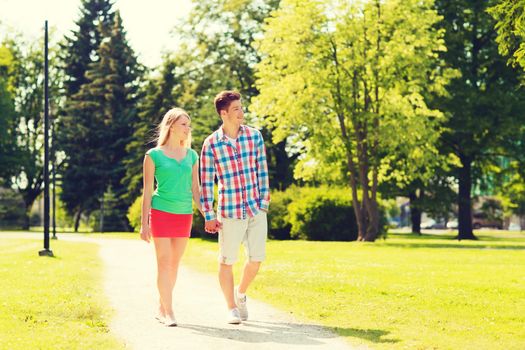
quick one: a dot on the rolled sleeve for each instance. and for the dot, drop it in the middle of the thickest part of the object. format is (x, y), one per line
(262, 175)
(207, 181)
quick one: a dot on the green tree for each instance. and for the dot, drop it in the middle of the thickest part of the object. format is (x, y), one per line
(511, 190)
(27, 82)
(485, 104)
(348, 80)
(219, 53)
(106, 107)
(510, 26)
(8, 119)
(79, 51)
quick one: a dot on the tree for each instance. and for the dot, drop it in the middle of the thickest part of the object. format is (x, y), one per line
(102, 115)
(510, 26)
(80, 49)
(219, 53)
(485, 104)
(27, 81)
(8, 119)
(511, 190)
(348, 80)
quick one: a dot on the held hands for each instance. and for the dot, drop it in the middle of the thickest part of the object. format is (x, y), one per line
(145, 233)
(212, 226)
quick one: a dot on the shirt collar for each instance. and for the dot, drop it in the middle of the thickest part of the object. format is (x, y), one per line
(222, 136)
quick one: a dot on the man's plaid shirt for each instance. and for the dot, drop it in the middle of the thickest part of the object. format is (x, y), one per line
(242, 174)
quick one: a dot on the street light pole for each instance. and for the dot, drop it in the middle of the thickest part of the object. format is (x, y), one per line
(46, 251)
(53, 175)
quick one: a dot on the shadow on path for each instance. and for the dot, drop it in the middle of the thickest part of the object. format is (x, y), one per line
(266, 332)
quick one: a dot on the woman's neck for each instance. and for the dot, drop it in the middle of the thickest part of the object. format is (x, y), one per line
(173, 143)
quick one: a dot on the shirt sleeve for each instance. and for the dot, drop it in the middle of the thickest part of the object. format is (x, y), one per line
(262, 175)
(194, 157)
(207, 181)
(151, 152)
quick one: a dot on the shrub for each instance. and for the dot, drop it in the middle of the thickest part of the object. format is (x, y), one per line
(134, 213)
(197, 229)
(278, 223)
(322, 214)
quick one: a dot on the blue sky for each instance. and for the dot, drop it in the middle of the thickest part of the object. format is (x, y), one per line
(148, 23)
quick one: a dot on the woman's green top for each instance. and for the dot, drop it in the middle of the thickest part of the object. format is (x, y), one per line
(174, 178)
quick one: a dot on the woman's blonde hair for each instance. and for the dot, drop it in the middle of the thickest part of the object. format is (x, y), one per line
(163, 130)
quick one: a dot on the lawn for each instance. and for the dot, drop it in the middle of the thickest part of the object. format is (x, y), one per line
(52, 303)
(406, 292)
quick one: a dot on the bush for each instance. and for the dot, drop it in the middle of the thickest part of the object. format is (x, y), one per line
(324, 214)
(278, 223)
(134, 213)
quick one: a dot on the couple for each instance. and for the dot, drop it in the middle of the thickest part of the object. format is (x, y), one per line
(235, 154)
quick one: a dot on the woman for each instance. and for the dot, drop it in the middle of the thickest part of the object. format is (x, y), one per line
(167, 211)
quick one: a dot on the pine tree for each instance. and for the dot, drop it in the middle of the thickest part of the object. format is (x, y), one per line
(80, 49)
(106, 106)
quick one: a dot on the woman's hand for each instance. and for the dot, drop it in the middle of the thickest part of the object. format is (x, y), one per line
(145, 233)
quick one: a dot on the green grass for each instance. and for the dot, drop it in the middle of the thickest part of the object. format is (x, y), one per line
(52, 303)
(406, 292)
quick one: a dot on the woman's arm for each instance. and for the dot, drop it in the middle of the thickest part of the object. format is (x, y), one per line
(195, 187)
(147, 192)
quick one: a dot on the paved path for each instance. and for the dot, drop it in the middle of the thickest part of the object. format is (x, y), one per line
(199, 308)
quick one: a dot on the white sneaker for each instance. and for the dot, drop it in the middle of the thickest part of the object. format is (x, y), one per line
(233, 316)
(170, 321)
(241, 305)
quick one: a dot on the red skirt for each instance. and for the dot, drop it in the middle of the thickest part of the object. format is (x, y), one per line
(170, 225)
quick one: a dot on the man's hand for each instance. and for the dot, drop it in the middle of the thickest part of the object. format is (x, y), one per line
(212, 226)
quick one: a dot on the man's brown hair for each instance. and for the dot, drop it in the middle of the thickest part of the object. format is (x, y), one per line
(224, 99)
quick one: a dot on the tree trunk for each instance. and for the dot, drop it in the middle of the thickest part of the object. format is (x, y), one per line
(373, 224)
(77, 219)
(101, 229)
(415, 212)
(359, 215)
(27, 217)
(464, 200)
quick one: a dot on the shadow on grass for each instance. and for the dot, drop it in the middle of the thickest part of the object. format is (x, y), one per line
(445, 240)
(372, 335)
(455, 246)
(423, 236)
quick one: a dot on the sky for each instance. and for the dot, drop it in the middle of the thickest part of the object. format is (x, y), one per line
(148, 23)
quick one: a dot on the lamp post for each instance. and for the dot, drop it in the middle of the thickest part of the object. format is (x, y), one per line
(46, 251)
(53, 177)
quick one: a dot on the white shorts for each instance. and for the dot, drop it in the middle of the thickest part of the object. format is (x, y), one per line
(252, 232)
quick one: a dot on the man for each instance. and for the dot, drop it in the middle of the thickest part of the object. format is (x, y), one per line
(236, 155)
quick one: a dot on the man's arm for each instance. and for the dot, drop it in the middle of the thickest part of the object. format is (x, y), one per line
(207, 181)
(262, 175)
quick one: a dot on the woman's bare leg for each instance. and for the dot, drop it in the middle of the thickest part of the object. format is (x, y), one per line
(163, 253)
